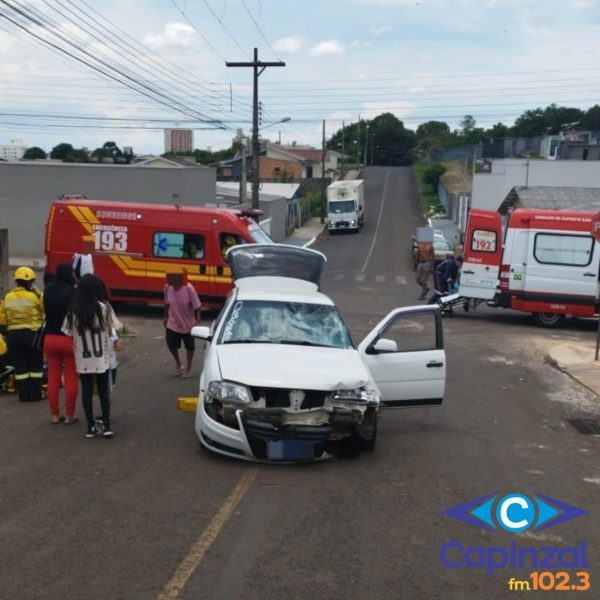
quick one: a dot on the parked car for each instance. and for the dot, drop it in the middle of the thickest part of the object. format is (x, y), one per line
(282, 378)
(442, 249)
(441, 246)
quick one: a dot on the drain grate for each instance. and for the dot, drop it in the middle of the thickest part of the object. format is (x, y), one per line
(586, 426)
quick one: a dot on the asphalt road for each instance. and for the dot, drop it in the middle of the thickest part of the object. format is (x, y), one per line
(149, 515)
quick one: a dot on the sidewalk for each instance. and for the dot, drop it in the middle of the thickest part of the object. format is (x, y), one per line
(307, 234)
(579, 363)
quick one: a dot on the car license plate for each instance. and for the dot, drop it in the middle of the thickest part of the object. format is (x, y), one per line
(290, 450)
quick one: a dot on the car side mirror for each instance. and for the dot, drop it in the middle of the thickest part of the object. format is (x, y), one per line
(383, 346)
(202, 332)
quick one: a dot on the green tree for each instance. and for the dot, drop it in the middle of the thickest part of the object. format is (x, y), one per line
(77, 155)
(499, 130)
(61, 151)
(591, 120)
(108, 150)
(433, 136)
(34, 152)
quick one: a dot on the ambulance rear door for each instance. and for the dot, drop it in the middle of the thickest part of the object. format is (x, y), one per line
(482, 255)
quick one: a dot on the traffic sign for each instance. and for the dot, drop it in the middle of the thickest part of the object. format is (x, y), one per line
(596, 226)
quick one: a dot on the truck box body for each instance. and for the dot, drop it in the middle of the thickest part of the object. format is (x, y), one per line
(134, 245)
(345, 205)
(542, 261)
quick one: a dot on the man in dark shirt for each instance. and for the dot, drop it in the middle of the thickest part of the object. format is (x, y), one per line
(445, 276)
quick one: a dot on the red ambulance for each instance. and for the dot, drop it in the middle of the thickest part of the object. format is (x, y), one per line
(545, 262)
(135, 245)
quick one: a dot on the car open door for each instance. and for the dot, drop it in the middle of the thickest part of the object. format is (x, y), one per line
(482, 255)
(406, 358)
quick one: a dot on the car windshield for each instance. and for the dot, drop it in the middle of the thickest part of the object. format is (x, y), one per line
(341, 206)
(260, 236)
(439, 245)
(305, 324)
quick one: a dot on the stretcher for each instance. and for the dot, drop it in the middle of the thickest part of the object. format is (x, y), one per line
(451, 301)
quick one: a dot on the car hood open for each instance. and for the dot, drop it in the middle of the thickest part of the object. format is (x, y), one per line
(292, 367)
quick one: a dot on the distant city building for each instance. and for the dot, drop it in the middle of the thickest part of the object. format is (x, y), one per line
(14, 150)
(179, 140)
(127, 149)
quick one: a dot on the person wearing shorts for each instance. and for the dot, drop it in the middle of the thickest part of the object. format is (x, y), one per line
(182, 312)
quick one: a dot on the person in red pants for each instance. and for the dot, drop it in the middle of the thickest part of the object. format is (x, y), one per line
(58, 347)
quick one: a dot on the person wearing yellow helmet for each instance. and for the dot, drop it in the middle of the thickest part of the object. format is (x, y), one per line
(228, 240)
(22, 315)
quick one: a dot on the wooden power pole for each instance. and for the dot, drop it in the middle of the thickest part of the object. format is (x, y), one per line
(258, 67)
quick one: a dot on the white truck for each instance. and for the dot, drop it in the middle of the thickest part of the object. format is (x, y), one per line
(345, 205)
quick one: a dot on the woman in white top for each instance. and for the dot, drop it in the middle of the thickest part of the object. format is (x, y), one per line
(90, 322)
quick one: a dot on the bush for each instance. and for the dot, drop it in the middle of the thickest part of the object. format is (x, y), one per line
(433, 174)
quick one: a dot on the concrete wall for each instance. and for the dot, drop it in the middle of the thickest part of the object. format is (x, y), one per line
(490, 189)
(28, 189)
(276, 210)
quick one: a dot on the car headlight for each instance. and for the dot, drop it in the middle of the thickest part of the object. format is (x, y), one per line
(226, 391)
(353, 222)
(356, 395)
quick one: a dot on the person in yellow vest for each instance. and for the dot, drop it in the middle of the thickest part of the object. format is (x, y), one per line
(22, 314)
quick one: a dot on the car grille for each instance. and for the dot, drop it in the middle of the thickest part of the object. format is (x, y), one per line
(280, 398)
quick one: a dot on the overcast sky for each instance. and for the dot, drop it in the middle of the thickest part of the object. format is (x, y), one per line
(85, 72)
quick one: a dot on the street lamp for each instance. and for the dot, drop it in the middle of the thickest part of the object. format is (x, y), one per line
(255, 159)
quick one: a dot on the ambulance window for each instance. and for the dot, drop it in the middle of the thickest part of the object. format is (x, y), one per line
(178, 245)
(559, 249)
(483, 240)
(228, 240)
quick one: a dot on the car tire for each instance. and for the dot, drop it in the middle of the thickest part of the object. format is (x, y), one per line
(365, 440)
(549, 320)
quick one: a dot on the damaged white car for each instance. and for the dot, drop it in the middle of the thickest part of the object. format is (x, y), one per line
(282, 378)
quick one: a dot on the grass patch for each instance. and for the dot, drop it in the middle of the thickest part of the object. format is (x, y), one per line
(427, 193)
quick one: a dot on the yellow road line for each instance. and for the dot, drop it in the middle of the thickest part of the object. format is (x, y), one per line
(190, 563)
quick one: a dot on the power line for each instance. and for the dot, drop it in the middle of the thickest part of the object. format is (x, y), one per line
(269, 45)
(133, 83)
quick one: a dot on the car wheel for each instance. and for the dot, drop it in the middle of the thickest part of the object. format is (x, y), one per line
(547, 319)
(365, 435)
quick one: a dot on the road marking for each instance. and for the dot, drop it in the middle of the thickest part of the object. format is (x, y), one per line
(364, 267)
(359, 276)
(379, 278)
(400, 280)
(338, 277)
(197, 552)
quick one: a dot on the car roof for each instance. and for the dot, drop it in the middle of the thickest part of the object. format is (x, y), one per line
(280, 289)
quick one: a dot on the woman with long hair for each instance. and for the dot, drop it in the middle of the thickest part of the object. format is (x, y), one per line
(90, 322)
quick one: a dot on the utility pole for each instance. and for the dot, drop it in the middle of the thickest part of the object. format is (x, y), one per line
(358, 142)
(366, 143)
(323, 177)
(343, 127)
(258, 68)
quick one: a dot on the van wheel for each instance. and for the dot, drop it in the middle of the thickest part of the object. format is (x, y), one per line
(547, 319)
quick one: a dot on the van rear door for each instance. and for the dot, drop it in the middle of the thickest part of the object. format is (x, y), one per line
(482, 255)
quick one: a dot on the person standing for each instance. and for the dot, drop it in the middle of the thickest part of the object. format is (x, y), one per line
(90, 322)
(22, 314)
(425, 262)
(182, 312)
(58, 347)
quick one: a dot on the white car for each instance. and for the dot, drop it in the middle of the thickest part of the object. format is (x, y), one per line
(282, 379)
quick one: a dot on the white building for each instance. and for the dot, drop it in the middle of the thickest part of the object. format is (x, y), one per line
(14, 150)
